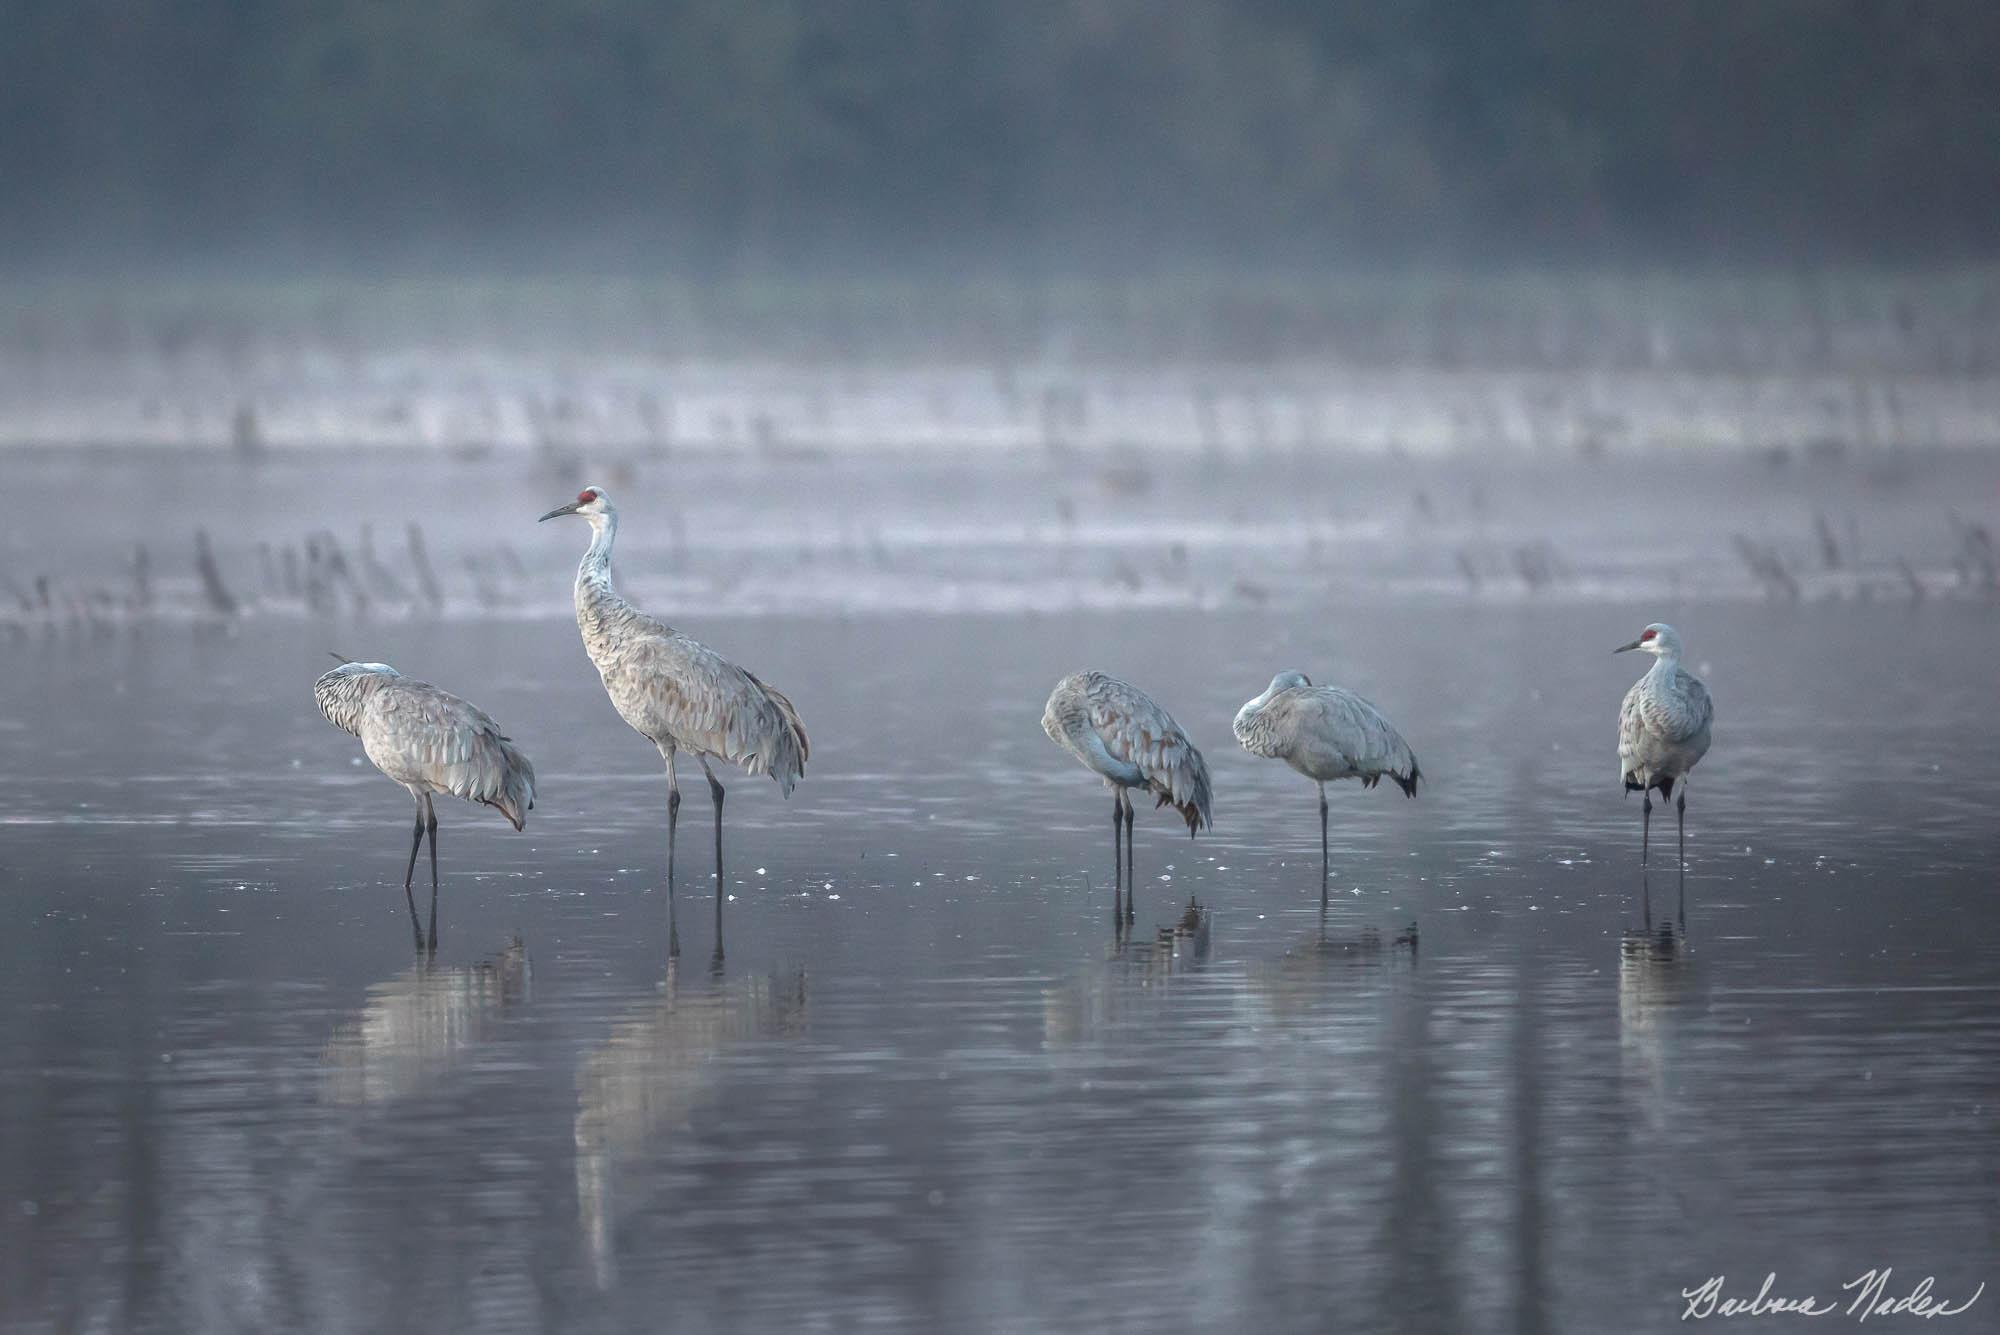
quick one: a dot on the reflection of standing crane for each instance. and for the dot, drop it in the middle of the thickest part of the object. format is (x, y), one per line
(1296, 983)
(1116, 730)
(1662, 729)
(1137, 973)
(1325, 733)
(641, 1086)
(420, 1024)
(676, 691)
(430, 741)
(1654, 982)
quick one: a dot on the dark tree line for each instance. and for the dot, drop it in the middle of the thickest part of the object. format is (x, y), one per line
(750, 134)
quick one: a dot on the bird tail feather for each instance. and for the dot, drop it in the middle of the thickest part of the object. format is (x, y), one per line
(785, 759)
(516, 795)
(1193, 808)
(1409, 785)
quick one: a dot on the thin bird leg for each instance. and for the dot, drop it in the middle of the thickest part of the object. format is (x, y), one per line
(410, 872)
(715, 791)
(1681, 811)
(1681, 818)
(431, 824)
(1325, 859)
(673, 820)
(1645, 824)
(409, 875)
(1131, 863)
(1117, 857)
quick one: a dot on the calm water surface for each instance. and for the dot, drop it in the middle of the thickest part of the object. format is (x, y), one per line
(926, 1087)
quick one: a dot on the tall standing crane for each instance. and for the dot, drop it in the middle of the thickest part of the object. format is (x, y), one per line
(677, 692)
(1663, 729)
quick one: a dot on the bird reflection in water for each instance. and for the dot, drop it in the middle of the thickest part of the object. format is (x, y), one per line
(1680, 904)
(420, 1024)
(673, 922)
(1655, 970)
(1295, 981)
(1136, 971)
(644, 1082)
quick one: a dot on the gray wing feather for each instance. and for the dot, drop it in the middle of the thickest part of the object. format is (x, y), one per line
(1691, 712)
(1631, 726)
(451, 743)
(680, 693)
(1330, 730)
(1093, 711)
(1663, 727)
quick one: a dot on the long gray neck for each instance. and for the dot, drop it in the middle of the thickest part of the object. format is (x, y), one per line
(600, 612)
(597, 600)
(597, 557)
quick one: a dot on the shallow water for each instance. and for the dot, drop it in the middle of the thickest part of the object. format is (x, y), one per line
(927, 1087)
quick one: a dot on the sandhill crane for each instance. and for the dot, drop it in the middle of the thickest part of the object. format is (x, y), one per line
(1325, 733)
(1662, 729)
(677, 692)
(1117, 730)
(430, 741)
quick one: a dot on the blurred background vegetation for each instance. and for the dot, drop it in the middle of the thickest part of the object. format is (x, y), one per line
(735, 137)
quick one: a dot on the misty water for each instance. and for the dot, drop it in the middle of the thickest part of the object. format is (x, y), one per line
(1500, 1082)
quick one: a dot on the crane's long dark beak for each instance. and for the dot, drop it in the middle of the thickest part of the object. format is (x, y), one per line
(1623, 647)
(339, 657)
(558, 512)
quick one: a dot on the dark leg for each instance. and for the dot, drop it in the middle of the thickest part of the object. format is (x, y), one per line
(410, 874)
(1680, 808)
(1681, 818)
(1645, 824)
(1131, 863)
(431, 824)
(673, 820)
(1325, 858)
(715, 791)
(1117, 857)
(417, 842)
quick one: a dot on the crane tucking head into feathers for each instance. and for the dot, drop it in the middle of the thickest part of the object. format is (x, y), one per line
(342, 692)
